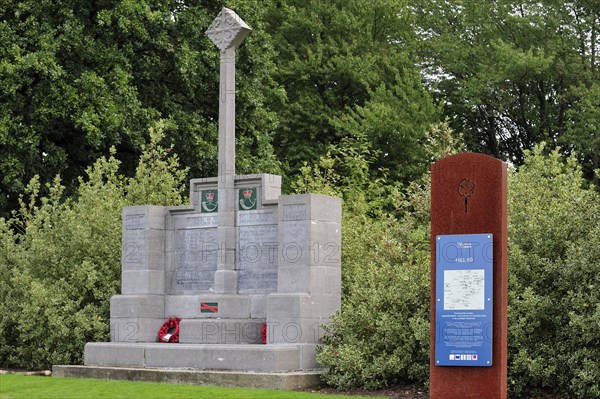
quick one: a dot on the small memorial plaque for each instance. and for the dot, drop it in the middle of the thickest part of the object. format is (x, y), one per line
(182, 222)
(294, 241)
(135, 222)
(254, 218)
(202, 221)
(464, 300)
(294, 212)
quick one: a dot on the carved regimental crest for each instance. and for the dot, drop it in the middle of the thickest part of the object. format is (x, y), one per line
(227, 30)
(247, 198)
(209, 201)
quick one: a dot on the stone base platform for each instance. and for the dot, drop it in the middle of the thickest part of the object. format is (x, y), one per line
(271, 358)
(284, 381)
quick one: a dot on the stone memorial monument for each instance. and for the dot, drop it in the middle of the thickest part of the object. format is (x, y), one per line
(239, 257)
(468, 278)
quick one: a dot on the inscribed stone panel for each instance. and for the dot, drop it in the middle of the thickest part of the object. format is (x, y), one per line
(258, 259)
(196, 253)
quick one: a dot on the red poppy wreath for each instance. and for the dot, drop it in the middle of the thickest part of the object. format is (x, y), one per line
(169, 332)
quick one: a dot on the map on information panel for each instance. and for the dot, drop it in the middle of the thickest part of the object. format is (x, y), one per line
(464, 300)
(464, 289)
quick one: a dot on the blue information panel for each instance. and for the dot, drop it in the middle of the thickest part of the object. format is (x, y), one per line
(463, 295)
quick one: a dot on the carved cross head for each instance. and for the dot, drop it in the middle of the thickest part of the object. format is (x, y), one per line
(227, 30)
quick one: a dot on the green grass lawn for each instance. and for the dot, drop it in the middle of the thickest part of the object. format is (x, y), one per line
(28, 387)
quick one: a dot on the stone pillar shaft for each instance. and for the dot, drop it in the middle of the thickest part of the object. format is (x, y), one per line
(225, 278)
(227, 119)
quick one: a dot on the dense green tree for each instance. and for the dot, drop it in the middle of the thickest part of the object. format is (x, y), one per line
(511, 74)
(77, 77)
(348, 67)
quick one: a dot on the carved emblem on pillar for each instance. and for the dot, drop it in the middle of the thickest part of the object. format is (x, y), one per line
(227, 30)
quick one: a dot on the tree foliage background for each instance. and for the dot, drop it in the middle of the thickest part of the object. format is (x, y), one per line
(77, 77)
(511, 74)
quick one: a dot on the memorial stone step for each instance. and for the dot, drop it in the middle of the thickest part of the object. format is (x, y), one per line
(259, 358)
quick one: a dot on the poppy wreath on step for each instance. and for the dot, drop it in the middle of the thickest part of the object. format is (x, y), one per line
(169, 332)
(263, 333)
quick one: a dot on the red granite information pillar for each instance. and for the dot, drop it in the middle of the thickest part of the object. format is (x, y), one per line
(468, 196)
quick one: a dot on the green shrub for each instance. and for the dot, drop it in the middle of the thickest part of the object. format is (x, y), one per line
(554, 278)
(60, 259)
(381, 337)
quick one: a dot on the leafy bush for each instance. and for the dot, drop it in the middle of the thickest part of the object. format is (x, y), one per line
(381, 336)
(60, 259)
(554, 278)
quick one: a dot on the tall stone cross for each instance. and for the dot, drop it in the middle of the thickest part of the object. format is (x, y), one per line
(227, 32)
